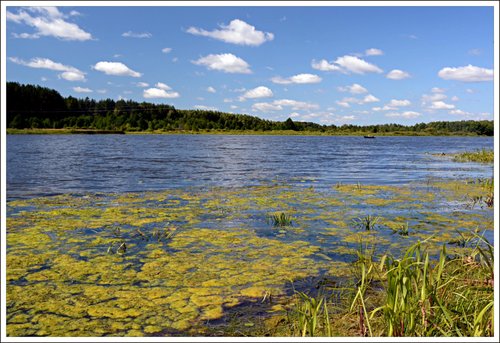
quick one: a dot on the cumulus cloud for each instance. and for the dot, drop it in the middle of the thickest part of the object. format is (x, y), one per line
(115, 68)
(345, 102)
(166, 50)
(406, 114)
(353, 89)
(68, 72)
(356, 65)
(370, 98)
(297, 79)
(163, 86)
(82, 90)
(205, 108)
(142, 84)
(228, 63)
(47, 22)
(130, 34)
(72, 76)
(155, 93)
(211, 89)
(324, 65)
(237, 32)
(399, 103)
(458, 112)
(278, 105)
(468, 73)
(441, 105)
(429, 98)
(373, 52)
(346, 64)
(397, 74)
(437, 90)
(257, 93)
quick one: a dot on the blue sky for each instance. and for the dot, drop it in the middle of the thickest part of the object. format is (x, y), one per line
(330, 65)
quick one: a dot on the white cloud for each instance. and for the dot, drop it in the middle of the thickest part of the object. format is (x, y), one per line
(373, 52)
(266, 107)
(166, 50)
(227, 63)
(152, 93)
(205, 108)
(115, 68)
(69, 73)
(142, 84)
(163, 86)
(426, 98)
(437, 90)
(406, 114)
(175, 59)
(353, 89)
(455, 98)
(278, 105)
(256, 93)
(470, 91)
(399, 103)
(441, 105)
(397, 74)
(72, 76)
(343, 103)
(82, 90)
(459, 112)
(297, 79)
(237, 32)
(48, 22)
(324, 65)
(357, 65)
(130, 34)
(296, 105)
(370, 98)
(348, 117)
(211, 89)
(468, 73)
(233, 107)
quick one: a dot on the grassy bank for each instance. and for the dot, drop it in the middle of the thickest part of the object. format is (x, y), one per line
(235, 132)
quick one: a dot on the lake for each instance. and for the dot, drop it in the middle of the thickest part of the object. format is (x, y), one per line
(39, 165)
(187, 235)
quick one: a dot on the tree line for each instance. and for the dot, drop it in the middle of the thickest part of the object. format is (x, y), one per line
(32, 106)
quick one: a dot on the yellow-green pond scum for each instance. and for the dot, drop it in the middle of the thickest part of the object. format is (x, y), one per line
(175, 262)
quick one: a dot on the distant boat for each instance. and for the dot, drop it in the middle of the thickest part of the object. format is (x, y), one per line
(369, 136)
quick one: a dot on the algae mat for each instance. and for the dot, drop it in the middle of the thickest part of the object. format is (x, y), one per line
(171, 262)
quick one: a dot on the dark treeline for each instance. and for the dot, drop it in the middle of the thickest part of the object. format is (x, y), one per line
(30, 106)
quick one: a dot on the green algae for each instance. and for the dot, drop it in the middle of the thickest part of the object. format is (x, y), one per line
(67, 277)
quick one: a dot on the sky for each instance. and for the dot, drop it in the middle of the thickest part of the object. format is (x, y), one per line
(328, 64)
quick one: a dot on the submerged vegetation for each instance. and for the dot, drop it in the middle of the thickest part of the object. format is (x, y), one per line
(35, 109)
(207, 262)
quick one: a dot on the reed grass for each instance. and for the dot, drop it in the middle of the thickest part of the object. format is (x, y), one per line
(367, 223)
(280, 219)
(481, 156)
(419, 297)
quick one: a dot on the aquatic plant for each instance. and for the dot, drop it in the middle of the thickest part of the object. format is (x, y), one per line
(367, 223)
(280, 219)
(448, 298)
(481, 156)
(402, 229)
(309, 317)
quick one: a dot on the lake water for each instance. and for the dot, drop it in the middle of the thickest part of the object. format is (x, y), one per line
(40, 165)
(157, 235)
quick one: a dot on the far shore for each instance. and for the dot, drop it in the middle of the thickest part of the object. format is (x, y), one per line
(67, 131)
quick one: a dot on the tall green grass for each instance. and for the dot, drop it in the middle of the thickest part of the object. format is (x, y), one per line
(419, 296)
(482, 156)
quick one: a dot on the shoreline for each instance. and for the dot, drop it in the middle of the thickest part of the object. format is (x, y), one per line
(70, 131)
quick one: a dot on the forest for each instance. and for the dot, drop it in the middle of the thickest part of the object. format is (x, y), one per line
(36, 107)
